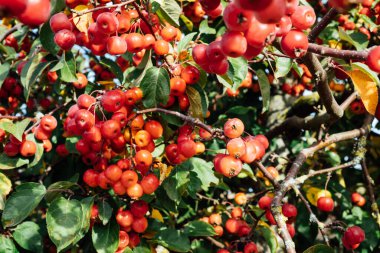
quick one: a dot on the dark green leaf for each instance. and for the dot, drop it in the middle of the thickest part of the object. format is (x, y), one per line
(87, 204)
(319, 248)
(106, 238)
(264, 87)
(70, 144)
(56, 189)
(16, 129)
(115, 69)
(4, 70)
(68, 72)
(136, 75)
(7, 245)
(199, 228)
(105, 211)
(47, 39)
(57, 6)
(270, 237)
(155, 87)
(28, 236)
(63, 221)
(357, 39)
(21, 203)
(7, 163)
(141, 249)
(32, 71)
(173, 239)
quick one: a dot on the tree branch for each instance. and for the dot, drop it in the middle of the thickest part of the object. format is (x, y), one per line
(16, 118)
(338, 53)
(371, 194)
(269, 176)
(80, 13)
(289, 181)
(318, 28)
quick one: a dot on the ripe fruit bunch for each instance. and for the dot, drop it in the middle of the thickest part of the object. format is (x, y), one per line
(253, 25)
(27, 147)
(114, 32)
(272, 170)
(132, 222)
(197, 10)
(183, 76)
(352, 237)
(214, 220)
(247, 149)
(299, 84)
(10, 92)
(288, 210)
(25, 10)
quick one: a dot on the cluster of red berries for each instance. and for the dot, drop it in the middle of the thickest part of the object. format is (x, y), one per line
(132, 222)
(197, 10)
(28, 148)
(250, 247)
(247, 149)
(288, 210)
(214, 220)
(103, 35)
(251, 26)
(10, 92)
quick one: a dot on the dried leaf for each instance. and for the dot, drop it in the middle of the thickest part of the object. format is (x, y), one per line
(84, 21)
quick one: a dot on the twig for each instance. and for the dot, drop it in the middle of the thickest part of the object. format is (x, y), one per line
(16, 118)
(338, 53)
(289, 181)
(215, 242)
(269, 176)
(318, 28)
(80, 13)
(371, 194)
(10, 31)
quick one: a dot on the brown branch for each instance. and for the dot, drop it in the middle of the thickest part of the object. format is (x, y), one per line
(338, 53)
(269, 176)
(369, 182)
(214, 131)
(144, 19)
(322, 85)
(310, 122)
(10, 31)
(302, 179)
(80, 13)
(215, 242)
(318, 28)
(289, 181)
(16, 118)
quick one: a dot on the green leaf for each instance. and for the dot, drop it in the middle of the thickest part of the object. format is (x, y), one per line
(106, 238)
(270, 237)
(137, 74)
(319, 248)
(204, 171)
(205, 29)
(86, 204)
(28, 236)
(21, 203)
(115, 69)
(204, 99)
(57, 6)
(173, 239)
(297, 68)
(32, 71)
(7, 245)
(357, 39)
(56, 189)
(169, 11)
(141, 249)
(47, 39)
(195, 99)
(63, 221)
(264, 87)
(283, 66)
(184, 42)
(39, 150)
(155, 87)
(68, 72)
(70, 144)
(188, 23)
(16, 129)
(367, 20)
(237, 71)
(4, 70)
(7, 163)
(105, 211)
(199, 228)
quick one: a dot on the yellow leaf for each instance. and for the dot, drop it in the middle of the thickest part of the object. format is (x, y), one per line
(367, 89)
(314, 193)
(82, 22)
(5, 185)
(157, 215)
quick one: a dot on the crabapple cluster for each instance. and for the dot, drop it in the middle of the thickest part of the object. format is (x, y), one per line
(247, 149)
(114, 32)
(132, 222)
(253, 25)
(10, 92)
(28, 148)
(288, 210)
